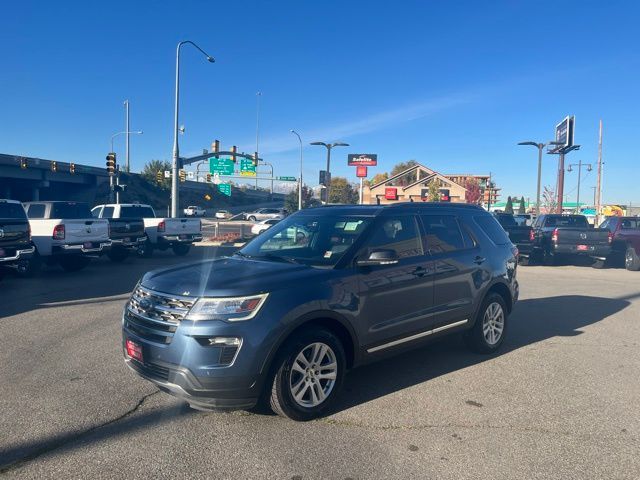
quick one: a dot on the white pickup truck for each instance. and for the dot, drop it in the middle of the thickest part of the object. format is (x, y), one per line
(162, 233)
(65, 233)
(194, 211)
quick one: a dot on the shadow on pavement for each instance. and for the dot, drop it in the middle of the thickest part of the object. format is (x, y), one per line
(532, 321)
(99, 280)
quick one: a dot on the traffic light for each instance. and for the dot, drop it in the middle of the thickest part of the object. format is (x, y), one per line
(111, 163)
(215, 147)
(255, 158)
(183, 176)
(159, 176)
(208, 178)
(234, 149)
(23, 163)
(72, 168)
(54, 167)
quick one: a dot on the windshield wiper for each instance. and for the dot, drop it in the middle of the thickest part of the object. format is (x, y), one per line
(271, 256)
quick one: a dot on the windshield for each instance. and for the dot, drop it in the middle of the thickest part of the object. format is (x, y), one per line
(316, 240)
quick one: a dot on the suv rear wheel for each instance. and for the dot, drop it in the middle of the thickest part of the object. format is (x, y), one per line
(181, 249)
(487, 334)
(309, 375)
(252, 218)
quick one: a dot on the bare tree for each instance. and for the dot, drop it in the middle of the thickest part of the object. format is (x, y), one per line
(549, 200)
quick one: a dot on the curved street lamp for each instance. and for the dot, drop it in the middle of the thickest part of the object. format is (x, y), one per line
(300, 182)
(176, 150)
(329, 146)
(540, 147)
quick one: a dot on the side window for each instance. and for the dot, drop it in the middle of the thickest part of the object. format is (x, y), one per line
(442, 233)
(36, 210)
(95, 213)
(107, 212)
(399, 234)
(492, 229)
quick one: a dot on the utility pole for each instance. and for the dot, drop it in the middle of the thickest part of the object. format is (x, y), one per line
(490, 187)
(258, 95)
(579, 165)
(598, 193)
(126, 142)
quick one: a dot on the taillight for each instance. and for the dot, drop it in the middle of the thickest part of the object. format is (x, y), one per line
(58, 232)
(554, 235)
(532, 236)
(610, 237)
(161, 226)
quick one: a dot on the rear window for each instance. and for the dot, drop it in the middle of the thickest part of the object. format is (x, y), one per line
(630, 224)
(71, 210)
(576, 221)
(507, 220)
(36, 210)
(12, 210)
(139, 212)
(492, 229)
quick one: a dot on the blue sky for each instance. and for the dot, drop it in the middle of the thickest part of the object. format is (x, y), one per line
(454, 85)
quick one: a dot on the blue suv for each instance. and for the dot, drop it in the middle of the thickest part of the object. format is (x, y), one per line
(324, 290)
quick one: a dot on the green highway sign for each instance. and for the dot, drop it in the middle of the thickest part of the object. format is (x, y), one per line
(247, 167)
(221, 166)
(225, 189)
(288, 179)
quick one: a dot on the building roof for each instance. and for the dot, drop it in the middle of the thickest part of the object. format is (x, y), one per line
(430, 175)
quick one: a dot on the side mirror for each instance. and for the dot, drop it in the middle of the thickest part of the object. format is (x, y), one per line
(379, 257)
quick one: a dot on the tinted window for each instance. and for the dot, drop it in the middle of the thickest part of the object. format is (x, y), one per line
(399, 234)
(507, 221)
(36, 210)
(136, 212)
(630, 224)
(574, 221)
(96, 212)
(107, 212)
(442, 233)
(70, 210)
(12, 210)
(492, 229)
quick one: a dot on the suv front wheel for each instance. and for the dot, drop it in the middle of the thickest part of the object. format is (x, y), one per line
(488, 333)
(309, 375)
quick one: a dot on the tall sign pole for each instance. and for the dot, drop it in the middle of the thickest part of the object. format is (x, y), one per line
(560, 182)
(598, 195)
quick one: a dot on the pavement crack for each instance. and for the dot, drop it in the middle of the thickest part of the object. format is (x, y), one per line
(56, 444)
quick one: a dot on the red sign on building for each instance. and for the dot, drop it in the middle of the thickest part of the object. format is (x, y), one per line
(391, 193)
(361, 171)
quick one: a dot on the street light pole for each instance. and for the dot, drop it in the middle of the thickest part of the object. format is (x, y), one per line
(126, 143)
(540, 147)
(300, 184)
(329, 146)
(176, 151)
(126, 132)
(579, 165)
(258, 95)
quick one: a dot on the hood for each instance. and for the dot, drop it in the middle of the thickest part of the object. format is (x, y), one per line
(227, 277)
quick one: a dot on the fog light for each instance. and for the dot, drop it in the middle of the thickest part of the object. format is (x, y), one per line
(225, 341)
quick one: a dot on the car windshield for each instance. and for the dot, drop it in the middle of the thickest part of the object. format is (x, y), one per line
(317, 240)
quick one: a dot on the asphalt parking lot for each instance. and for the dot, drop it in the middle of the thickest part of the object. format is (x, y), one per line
(560, 400)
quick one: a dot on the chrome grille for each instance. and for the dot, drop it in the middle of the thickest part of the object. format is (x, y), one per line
(154, 315)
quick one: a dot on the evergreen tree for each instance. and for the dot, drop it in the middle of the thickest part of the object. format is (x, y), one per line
(522, 209)
(509, 207)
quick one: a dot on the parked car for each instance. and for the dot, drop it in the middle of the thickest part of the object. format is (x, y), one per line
(16, 248)
(65, 233)
(266, 214)
(520, 235)
(223, 214)
(569, 236)
(260, 227)
(162, 233)
(194, 211)
(126, 233)
(322, 291)
(624, 233)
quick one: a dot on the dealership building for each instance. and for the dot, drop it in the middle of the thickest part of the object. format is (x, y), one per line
(412, 185)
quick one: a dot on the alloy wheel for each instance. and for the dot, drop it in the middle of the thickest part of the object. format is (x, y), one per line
(313, 375)
(493, 323)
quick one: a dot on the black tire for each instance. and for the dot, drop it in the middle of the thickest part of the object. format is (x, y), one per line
(282, 400)
(524, 261)
(30, 268)
(145, 249)
(476, 338)
(118, 255)
(599, 264)
(74, 263)
(181, 249)
(631, 260)
(252, 218)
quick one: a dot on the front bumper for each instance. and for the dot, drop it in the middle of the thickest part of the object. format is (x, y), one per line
(596, 251)
(83, 248)
(17, 256)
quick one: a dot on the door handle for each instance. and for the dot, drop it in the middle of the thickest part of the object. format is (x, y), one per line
(479, 260)
(419, 272)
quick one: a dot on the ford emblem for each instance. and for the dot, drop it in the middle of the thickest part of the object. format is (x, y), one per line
(583, 236)
(145, 304)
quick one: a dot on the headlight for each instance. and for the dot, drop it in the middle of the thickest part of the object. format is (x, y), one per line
(233, 309)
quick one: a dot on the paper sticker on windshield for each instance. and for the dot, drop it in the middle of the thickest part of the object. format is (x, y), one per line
(327, 254)
(352, 226)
